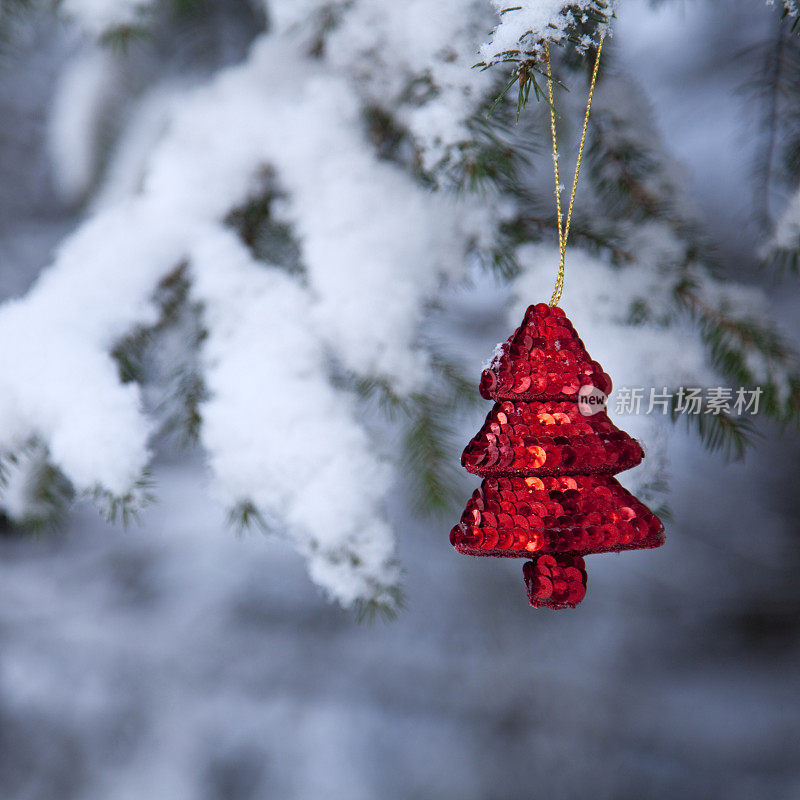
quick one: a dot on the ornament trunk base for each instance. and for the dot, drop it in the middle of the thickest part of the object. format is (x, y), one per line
(555, 581)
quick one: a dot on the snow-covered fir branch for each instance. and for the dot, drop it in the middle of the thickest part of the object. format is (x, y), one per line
(365, 283)
(263, 247)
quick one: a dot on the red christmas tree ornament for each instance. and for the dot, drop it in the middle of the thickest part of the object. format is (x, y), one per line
(547, 457)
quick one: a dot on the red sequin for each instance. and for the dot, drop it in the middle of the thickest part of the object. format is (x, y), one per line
(548, 490)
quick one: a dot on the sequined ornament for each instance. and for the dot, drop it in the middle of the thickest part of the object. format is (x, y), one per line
(548, 490)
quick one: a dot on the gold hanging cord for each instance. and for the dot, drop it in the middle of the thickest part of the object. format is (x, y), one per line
(563, 230)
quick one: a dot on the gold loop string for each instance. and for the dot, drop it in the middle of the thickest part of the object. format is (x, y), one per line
(563, 229)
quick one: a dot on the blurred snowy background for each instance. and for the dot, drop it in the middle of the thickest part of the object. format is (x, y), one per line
(175, 659)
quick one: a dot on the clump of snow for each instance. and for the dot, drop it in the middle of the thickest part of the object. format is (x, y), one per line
(276, 431)
(144, 129)
(415, 58)
(494, 358)
(58, 382)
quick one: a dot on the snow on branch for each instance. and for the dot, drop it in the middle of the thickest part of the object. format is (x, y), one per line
(413, 59)
(526, 24)
(791, 8)
(58, 382)
(281, 438)
(278, 435)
